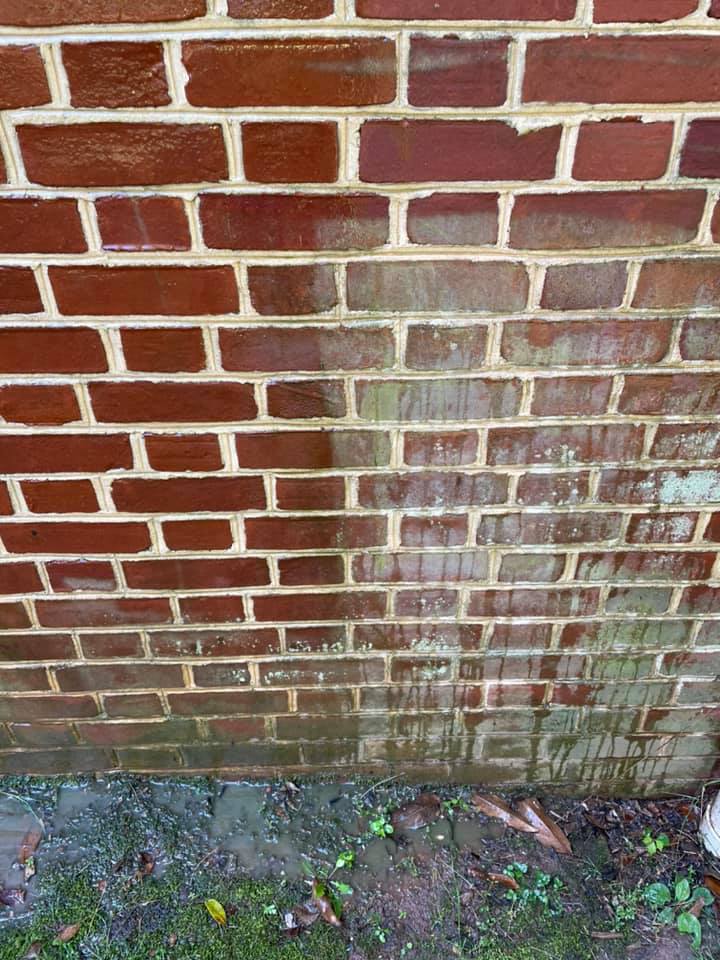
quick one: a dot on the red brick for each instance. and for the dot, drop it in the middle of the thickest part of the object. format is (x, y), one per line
(314, 449)
(700, 339)
(455, 72)
(208, 702)
(584, 286)
(36, 646)
(23, 709)
(553, 489)
(29, 404)
(24, 81)
(212, 609)
(360, 605)
(712, 532)
(293, 221)
(640, 566)
(6, 507)
(565, 396)
(122, 154)
(701, 153)
(310, 493)
(43, 735)
(133, 705)
(290, 152)
(225, 642)
(316, 640)
(430, 488)
(305, 399)
(19, 578)
(109, 646)
(322, 672)
(646, 11)
(196, 574)
(662, 69)
(622, 149)
(189, 494)
(454, 218)
(197, 534)
(534, 603)
(441, 449)
(142, 291)
(75, 537)
(443, 400)
(120, 676)
(132, 224)
(67, 576)
(531, 568)
(548, 528)
(661, 527)
(659, 486)
(50, 13)
(28, 225)
(437, 285)
(13, 616)
(165, 732)
(524, 636)
(290, 72)
(671, 393)
(427, 603)
(73, 453)
(320, 570)
(436, 347)
(467, 9)
(565, 445)
(59, 496)
(678, 284)
(398, 151)
(23, 680)
(432, 567)
(19, 291)
(714, 8)
(101, 613)
(146, 401)
(118, 74)
(315, 533)
(585, 342)
(675, 441)
(164, 350)
(306, 348)
(700, 599)
(293, 289)
(610, 219)
(449, 530)
(280, 9)
(197, 452)
(51, 350)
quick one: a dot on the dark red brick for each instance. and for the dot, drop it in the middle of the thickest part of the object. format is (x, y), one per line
(51, 350)
(28, 709)
(622, 149)
(73, 453)
(104, 613)
(19, 578)
(467, 9)
(290, 152)
(429, 567)
(24, 81)
(677, 441)
(317, 571)
(678, 284)
(118, 676)
(436, 347)
(585, 342)
(306, 399)
(565, 445)
(454, 218)
(186, 574)
(112, 154)
(212, 609)
(313, 449)
(645, 11)
(225, 642)
(197, 534)
(427, 489)
(163, 349)
(310, 493)
(449, 530)
(67, 576)
(315, 533)
(75, 537)
(306, 348)
(109, 646)
(280, 9)
(116, 74)
(534, 603)
(38, 405)
(700, 339)
(441, 449)
(179, 453)
(457, 72)
(284, 72)
(584, 286)
(28, 225)
(415, 151)
(134, 224)
(671, 393)
(49, 13)
(701, 153)
(59, 496)
(640, 566)
(287, 290)
(13, 616)
(553, 489)
(294, 607)
(661, 527)
(189, 494)
(36, 646)
(548, 528)
(19, 291)
(570, 396)
(148, 401)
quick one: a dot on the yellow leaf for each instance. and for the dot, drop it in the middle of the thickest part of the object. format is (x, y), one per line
(216, 911)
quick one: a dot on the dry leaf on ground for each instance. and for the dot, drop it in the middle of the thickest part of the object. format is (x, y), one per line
(547, 832)
(418, 813)
(493, 806)
(30, 843)
(68, 933)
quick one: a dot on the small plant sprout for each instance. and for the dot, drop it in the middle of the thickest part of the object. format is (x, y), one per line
(680, 906)
(542, 889)
(345, 860)
(381, 826)
(454, 804)
(654, 844)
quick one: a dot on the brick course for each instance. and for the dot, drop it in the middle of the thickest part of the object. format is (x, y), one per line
(358, 373)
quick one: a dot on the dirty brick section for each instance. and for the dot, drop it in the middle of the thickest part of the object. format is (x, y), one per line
(360, 388)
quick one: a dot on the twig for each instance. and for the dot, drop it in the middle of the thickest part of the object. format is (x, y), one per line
(380, 784)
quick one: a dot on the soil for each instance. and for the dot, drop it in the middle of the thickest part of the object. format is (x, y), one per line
(131, 861)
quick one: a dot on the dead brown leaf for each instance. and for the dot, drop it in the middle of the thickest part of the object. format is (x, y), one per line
(504, 880)
(31, 842)
(493, 806)
(418, 813)
(323, 904)
(147, 865)
(304, 915)
(547, 832)
(33, 951)
(67, 933)
(713, 885)
(10, 897)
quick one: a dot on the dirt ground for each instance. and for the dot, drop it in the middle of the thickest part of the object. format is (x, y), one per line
(126, 868)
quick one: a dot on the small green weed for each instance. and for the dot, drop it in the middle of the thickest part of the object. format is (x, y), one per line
(655, 844)
(680, 906)
(381, 826)
(540, 889)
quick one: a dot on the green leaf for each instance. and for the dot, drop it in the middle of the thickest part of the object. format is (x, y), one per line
(682, 890)
(657, 894)
(687, 923)
(343, 888)
(666, 916)
(662, 841)
(216, 911)
(702, 893)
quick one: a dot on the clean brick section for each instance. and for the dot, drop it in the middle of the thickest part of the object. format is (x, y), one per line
(361, 364)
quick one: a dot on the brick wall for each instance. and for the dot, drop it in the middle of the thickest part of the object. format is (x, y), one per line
(360, 387)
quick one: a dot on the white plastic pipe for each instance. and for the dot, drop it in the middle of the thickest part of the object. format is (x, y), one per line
(710, 827)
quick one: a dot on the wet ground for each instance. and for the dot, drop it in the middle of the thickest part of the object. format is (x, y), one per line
(121, 869)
